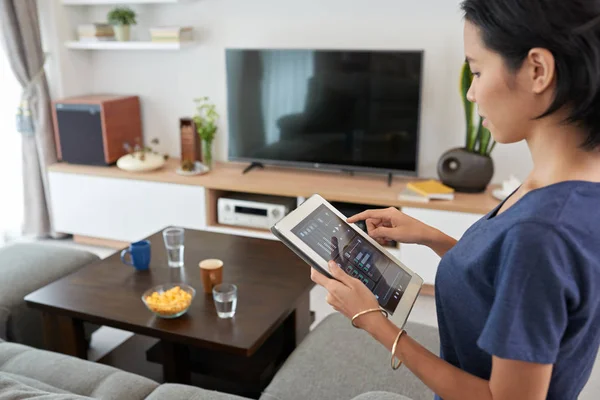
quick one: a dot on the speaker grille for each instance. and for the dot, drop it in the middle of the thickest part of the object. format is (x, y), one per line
(80, 131)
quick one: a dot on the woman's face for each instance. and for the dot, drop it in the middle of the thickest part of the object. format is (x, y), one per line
(502, 97)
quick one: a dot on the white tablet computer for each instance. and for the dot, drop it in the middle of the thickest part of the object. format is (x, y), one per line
(317, 232)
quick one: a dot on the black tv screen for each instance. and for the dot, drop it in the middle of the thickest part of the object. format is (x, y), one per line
(354, 110)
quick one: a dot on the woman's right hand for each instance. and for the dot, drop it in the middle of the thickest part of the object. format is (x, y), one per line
(392, 224)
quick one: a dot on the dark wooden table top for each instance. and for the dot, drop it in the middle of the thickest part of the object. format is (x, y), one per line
(271, 280)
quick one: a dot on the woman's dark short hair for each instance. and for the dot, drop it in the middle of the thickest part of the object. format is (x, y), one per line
(570, 29)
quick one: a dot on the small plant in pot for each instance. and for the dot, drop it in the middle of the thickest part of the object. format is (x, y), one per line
(138, 151)
(469, 168)
(205, 120)
(141, 158)
(122, 18)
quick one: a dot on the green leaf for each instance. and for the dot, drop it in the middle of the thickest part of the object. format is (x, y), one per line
(491, 147)
(485, 138)
(121, 16)
(205, 119)
(465, 83)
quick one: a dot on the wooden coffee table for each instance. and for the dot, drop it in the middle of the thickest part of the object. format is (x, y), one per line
(272, 315)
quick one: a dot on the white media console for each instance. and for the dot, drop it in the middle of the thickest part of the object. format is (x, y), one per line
(108, 205)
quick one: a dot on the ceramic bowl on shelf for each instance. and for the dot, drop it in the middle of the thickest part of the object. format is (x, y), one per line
(199, 169)
(508, 186)
(499, 194)
(134, 162)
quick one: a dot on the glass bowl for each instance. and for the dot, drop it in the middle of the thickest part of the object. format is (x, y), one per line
(165, 301)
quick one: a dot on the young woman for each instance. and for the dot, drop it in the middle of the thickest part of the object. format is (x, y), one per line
(518, 297)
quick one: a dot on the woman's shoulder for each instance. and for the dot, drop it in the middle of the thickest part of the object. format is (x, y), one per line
(561, 218)
(563, 206)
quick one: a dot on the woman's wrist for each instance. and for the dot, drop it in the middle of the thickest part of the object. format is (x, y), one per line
(437, 241)
(385, 332)
(430, 236)
(369, 322)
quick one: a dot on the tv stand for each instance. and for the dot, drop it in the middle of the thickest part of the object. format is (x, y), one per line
(252, 166)
(390, 176)
(164, 189)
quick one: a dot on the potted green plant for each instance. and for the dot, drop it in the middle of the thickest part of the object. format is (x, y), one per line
(205, 120)
(122, 18)
(469, 168)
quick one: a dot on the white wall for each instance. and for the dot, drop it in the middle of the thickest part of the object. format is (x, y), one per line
(168, 81)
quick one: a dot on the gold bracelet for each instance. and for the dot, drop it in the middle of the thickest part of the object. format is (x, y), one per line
(397, 365)
(385, 313)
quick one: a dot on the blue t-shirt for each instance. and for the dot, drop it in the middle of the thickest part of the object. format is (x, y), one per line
(525, 285)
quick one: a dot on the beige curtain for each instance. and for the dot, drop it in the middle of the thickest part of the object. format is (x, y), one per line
(21, 38)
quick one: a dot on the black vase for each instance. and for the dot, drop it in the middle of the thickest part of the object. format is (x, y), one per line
(465, 171)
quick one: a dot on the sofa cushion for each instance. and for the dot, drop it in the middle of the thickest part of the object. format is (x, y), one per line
(11, 389)
(380, 396)
(182, 392)
(73, 375)
(26, 267)
(33, 383)
(337, 361)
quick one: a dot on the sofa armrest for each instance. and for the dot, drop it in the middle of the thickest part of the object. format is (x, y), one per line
(380, 396)
(337, 361)
(27, 267)
(183, 392)
(11, 389)
(72, 375)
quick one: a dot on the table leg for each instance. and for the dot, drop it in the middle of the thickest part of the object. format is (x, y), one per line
(302, 318)
(297, 326)
(176, 363)
(64, 335)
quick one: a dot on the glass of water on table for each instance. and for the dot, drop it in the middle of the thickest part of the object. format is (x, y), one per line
(174, 243)
(225, 296)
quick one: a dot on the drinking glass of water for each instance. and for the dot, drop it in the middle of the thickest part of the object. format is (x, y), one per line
(174, 242)
(225, 296)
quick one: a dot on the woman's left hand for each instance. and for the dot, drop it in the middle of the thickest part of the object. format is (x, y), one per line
(346, 294)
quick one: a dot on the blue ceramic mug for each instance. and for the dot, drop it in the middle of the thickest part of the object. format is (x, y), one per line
(139, 254)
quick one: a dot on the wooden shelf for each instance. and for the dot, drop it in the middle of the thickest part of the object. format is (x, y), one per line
(241, 231)
(371, 190)
(130, 45)
(105, 2)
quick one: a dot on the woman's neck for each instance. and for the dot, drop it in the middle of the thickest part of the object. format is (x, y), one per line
(558, 156)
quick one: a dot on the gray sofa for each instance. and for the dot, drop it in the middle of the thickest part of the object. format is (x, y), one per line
(28, 372)
(24, 268)
(335, 361)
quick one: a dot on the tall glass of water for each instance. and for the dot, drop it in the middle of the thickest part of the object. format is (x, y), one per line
(225, 297)
(174, 242)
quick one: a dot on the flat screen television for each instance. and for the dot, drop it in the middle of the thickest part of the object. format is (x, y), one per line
(332, 109)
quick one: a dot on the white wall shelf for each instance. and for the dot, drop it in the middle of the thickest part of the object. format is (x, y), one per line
(105, 2)
(131, 45)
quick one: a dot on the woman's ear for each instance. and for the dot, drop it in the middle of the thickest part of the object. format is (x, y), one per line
(541, 69)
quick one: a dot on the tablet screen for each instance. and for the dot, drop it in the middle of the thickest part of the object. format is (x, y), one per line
(333, 239)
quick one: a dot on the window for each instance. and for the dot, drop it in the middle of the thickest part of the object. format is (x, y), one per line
(11, 164)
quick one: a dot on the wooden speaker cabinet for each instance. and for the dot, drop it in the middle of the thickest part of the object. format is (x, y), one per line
(92, 130)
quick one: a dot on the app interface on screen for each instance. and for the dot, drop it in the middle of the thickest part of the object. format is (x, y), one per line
(333, 239)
